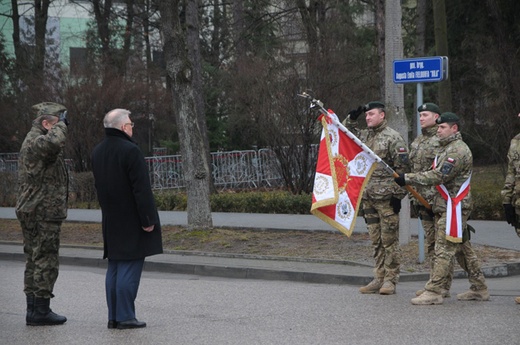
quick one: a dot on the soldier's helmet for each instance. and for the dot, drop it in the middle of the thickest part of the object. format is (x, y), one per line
(48, 108)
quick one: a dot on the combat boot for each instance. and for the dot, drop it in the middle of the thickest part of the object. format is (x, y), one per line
(30, 308)
(470, 295)
(372, 287)
(388, 288)
(427, 298)
(445, 293)
(43, 315)
(517, 300)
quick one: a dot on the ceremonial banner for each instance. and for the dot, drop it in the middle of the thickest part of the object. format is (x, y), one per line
(342, 171)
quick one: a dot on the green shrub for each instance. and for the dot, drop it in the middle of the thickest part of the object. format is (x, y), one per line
(485, 188)
(486, 183)
(241, 202)
(166, 200)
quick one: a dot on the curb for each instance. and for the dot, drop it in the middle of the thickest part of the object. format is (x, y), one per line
(225, 271)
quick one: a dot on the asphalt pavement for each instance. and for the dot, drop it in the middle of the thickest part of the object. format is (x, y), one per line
(204, 299)
(196, 310)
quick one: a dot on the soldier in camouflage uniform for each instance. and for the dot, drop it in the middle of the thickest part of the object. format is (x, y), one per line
(511, 190)
(452, 173)
(41, 207)
(422, 153)
(381, 201)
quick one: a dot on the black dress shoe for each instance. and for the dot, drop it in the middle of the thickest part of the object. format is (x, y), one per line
(112, 324)
(131, 324)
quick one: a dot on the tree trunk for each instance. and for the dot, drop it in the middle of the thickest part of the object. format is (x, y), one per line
(394, 95)
(380, 43)
(41, 8)
(194, 55)
(180, 70)
(441, 45)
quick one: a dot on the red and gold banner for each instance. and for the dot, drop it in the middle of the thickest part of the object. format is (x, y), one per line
(342, 171)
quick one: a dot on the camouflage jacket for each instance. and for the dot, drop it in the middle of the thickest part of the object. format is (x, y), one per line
(422, 153)
(390, 146)
(511, 191)
(42, 175)
(454, 167)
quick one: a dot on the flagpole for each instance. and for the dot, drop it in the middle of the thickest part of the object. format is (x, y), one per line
(318, 104)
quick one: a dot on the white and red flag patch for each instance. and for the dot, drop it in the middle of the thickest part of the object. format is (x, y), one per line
(342, 171)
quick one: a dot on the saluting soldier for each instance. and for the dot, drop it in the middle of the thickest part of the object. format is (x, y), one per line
(381, 201)
(41, 207)
(452, 206)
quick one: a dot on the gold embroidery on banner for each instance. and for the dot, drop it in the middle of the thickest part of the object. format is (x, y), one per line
(361, 165)
(343, 210)
(321, 185)
(342, 172)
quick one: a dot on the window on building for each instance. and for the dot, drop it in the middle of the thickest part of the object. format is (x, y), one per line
(78, 61)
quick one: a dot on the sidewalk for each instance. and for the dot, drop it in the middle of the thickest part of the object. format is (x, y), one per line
(498, 234)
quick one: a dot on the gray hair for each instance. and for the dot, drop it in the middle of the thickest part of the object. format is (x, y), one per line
(115, 118)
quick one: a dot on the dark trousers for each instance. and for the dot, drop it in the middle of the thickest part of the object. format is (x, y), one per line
(121, 285)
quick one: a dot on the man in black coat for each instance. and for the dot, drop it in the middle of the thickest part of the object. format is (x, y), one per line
(131, 226)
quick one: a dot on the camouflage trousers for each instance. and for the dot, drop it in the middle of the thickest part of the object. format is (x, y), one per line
(383, 229)
(41, 245)
(446, 252)
(428, 224)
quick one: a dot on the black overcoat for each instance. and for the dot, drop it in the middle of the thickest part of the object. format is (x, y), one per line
(126, 199)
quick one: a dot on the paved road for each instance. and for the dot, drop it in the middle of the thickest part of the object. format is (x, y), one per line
(493, 233)
(186, 309)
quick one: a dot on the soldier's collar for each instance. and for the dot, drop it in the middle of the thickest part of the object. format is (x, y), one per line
(379, 127)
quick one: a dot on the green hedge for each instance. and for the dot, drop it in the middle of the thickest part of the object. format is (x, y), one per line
(485, 188)
(241, 202)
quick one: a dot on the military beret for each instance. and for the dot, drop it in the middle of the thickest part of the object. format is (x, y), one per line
(448, 117)
(434, 108)
(374, 105)
(48, 108)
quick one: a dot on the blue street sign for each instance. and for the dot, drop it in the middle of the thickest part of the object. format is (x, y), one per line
(421, 70)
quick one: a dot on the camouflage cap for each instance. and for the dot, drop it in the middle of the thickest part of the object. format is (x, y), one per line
(434, 108)
(448, 117)
(374, 105)
(48, 108)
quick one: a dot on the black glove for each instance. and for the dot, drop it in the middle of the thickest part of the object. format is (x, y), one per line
(430, 212)
(354, 114)
(396, 204)
(63, 118)
(400, 180)
(510, 214)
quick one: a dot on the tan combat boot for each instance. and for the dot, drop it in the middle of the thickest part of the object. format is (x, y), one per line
(470, 295)
(445, 293)
(388, 288)
(372, 287)
(517, 300)
(427, 298)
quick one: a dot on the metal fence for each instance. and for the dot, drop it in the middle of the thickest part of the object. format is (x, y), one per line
(230, 169)
(8, 162)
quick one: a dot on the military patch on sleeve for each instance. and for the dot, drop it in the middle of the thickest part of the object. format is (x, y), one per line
(446, 167)
(403, 155)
